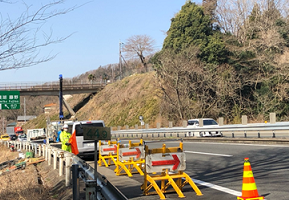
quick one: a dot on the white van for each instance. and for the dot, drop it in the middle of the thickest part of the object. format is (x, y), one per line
(207, 123)
(85, 147)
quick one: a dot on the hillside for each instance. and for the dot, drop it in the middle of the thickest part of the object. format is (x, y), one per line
(118, 104)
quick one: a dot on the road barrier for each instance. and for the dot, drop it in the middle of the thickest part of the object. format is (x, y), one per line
(107, 152)
(130, 158)
(252, 130)
(168, 164)
(68, 164)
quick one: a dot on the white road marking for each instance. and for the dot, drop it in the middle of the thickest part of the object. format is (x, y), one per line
(217, 187)
(212, 154)
(242, 144)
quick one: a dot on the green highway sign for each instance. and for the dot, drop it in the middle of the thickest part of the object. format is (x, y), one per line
(96, 133)
(9, 100)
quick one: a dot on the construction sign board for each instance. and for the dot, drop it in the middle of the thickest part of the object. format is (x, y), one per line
(127, 153)
(171, 161)
(96, 133)
(108, 149)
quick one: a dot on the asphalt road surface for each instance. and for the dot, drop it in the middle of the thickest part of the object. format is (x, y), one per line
(217, 169)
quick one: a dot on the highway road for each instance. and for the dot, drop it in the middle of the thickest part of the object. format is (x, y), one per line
(217, 169)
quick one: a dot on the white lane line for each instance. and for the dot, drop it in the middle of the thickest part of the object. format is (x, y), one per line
(217, 187)
(212, 154)
(242, 144)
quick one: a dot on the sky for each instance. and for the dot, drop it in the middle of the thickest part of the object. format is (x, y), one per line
(98, 27)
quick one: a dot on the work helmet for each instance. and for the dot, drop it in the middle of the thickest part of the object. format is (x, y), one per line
(65, 126)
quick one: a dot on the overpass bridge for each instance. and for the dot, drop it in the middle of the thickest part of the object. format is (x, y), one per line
(52, 88)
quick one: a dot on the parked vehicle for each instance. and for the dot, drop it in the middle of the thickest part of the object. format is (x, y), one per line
(11, 130)
(207, 123)
(22, 137)
(35, 134)
(85, 147)
(5, 137)
(18, 130)
(12, 137)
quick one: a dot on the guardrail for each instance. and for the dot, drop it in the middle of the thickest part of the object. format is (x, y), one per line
(249, 130)
(73, 165)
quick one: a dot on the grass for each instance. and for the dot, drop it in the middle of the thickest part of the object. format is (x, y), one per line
(20, 184)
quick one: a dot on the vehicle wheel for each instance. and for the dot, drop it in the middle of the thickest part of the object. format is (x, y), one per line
(201, 134)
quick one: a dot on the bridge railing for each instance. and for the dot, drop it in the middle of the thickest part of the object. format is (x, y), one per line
(53, 84)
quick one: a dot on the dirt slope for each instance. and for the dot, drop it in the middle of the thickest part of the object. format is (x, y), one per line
(118, 104)
(122, 102)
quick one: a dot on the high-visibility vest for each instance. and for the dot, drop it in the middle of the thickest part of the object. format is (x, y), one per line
(64, 137)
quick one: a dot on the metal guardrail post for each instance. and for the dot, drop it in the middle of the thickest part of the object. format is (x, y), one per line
(54, 159)
(35, 149)
(46, 152)
(49, 156)
(39, 147)
(90, 190)
(61, 158)
(67, 170)
(233, 135)
(75, 181)
(258, 134)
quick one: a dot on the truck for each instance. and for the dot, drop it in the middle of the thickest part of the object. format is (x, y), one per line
(10, 130)
(18, 130)
(14, 130)
(85, 147)
(35, 134)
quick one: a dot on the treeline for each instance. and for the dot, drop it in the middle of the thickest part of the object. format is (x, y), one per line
(226, 58)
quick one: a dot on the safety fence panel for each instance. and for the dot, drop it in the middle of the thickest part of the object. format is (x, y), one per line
(164, 171)
(107, 152)
(130, 158)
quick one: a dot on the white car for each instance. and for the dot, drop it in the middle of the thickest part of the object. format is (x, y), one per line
(207, 123)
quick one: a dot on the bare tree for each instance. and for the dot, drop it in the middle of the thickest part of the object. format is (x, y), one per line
(139, 46)
(20, 42)
(233, 15)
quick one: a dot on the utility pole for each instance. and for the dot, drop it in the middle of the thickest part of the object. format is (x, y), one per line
(3, 125)
(120, 64)
(24, 111)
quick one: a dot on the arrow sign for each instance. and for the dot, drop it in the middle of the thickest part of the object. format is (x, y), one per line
(174, 162)
(114, 148)
(132, 153)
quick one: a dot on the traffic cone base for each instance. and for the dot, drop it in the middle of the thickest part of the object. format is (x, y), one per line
(250, 198)
(249, 188)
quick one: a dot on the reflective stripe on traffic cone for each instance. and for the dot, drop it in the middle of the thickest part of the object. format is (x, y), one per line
(249, 188)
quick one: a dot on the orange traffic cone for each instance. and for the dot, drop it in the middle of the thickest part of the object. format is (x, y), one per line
(249, 188)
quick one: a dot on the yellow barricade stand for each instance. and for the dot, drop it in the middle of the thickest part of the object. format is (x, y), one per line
(167, 165)
(130, 159)
(107, 152)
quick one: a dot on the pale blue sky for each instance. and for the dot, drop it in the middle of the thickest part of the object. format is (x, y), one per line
(98, 28)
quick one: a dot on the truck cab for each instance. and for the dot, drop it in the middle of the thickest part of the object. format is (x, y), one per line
(85, 147)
